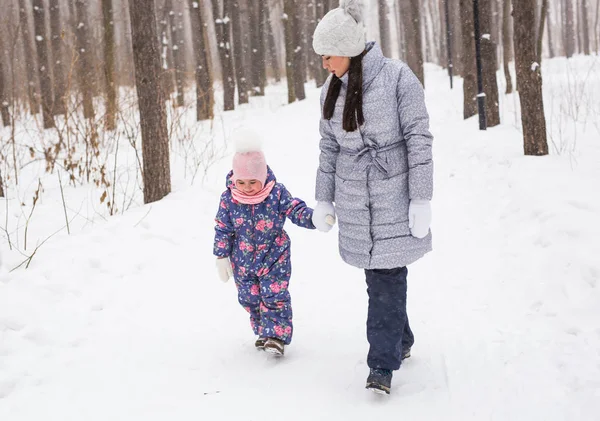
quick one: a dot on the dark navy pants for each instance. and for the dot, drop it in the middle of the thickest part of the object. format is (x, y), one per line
(388, 330)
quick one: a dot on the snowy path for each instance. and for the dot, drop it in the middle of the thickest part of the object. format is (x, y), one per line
(136, 325)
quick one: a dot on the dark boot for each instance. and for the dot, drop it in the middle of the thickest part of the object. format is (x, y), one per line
(380, 380)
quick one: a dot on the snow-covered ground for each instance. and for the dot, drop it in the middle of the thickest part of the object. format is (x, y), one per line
(125, 318)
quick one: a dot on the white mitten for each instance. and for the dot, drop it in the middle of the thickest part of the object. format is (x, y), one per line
(224, 268)
(324, 216)
(419, 217)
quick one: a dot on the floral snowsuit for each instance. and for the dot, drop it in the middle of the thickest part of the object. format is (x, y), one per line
(253, 238)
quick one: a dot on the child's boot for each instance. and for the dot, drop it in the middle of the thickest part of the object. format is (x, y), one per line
(274, 346)
(260, 342)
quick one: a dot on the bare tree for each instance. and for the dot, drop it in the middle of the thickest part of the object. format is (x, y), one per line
(30, 53)
(222, 27)
(384, 28)
(86, 76)
(109, 63)
(489, 64)
(529, 79)
(549, 26)
(167, 76)
(241, 66)
(507, 44)
(299, 63)
(469, 71)
(320, 74)
(153, 115)
(204, 84)
(4, 97)
(58, 69)
(288, 25)
(43, 56)
(273, 60)
(261, 29)
(177, 51)
(585, 30)
(569, 28)
(410, 13)
(597, 27)
(540, 31)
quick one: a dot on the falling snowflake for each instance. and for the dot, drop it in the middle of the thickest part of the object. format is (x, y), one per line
(39, 38)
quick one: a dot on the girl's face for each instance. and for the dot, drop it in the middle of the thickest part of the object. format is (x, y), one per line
(336, 64)
(248, 187)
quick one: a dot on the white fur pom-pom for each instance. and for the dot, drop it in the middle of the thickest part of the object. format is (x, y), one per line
(246, 140)
(352, 7)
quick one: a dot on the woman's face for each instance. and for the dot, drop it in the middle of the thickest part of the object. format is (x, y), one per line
(248, 187)
(336, 64)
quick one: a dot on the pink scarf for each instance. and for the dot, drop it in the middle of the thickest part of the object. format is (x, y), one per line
(254, 199)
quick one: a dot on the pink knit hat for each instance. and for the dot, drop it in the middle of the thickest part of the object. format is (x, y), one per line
(249, 161)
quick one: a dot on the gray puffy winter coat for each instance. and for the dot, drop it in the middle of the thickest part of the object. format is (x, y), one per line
(372, 173)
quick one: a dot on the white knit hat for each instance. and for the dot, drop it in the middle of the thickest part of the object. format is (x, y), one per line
(341, 31)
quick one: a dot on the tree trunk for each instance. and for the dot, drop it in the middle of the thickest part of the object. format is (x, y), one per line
(469, 70)
(43, 56)
(238, 53)
(261, 73)
(585, 27)
(384, 28)
(273, 53)
(58, 70)
(507, 44)
(299, 68)
(166, 77)
(549, 29)
(569, 28)
(86, 68)
(222, 20)
(597, 27)
(301, 38)
(458, 58)
(288, 18)
(4, 97)
(177, 50)
(109, 64)
(30, 53)
(529, 78)
(411, 20)
(321, 74)
(489, 64)
(204, 84)
(153, 115)
(540, 32)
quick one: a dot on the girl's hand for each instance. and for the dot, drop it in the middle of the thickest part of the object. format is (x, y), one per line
(224, 268)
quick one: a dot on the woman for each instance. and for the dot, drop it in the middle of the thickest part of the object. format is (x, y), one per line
(376, 166)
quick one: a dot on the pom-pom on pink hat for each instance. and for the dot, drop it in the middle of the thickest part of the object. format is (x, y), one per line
(249, 161)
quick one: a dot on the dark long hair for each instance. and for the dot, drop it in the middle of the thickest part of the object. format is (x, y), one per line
(353, 113)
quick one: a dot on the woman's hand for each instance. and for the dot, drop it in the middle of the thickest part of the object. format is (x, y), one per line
(324, 216)
(419, 218)
(224, 268)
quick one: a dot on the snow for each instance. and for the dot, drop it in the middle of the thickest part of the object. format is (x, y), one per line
(125, 319)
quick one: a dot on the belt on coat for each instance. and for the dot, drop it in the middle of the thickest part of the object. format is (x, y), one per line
(369, 155)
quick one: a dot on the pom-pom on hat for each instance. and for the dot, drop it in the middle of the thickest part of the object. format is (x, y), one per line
(249, 161)
(341, 31)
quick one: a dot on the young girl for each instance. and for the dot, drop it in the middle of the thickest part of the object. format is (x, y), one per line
(251, 244)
